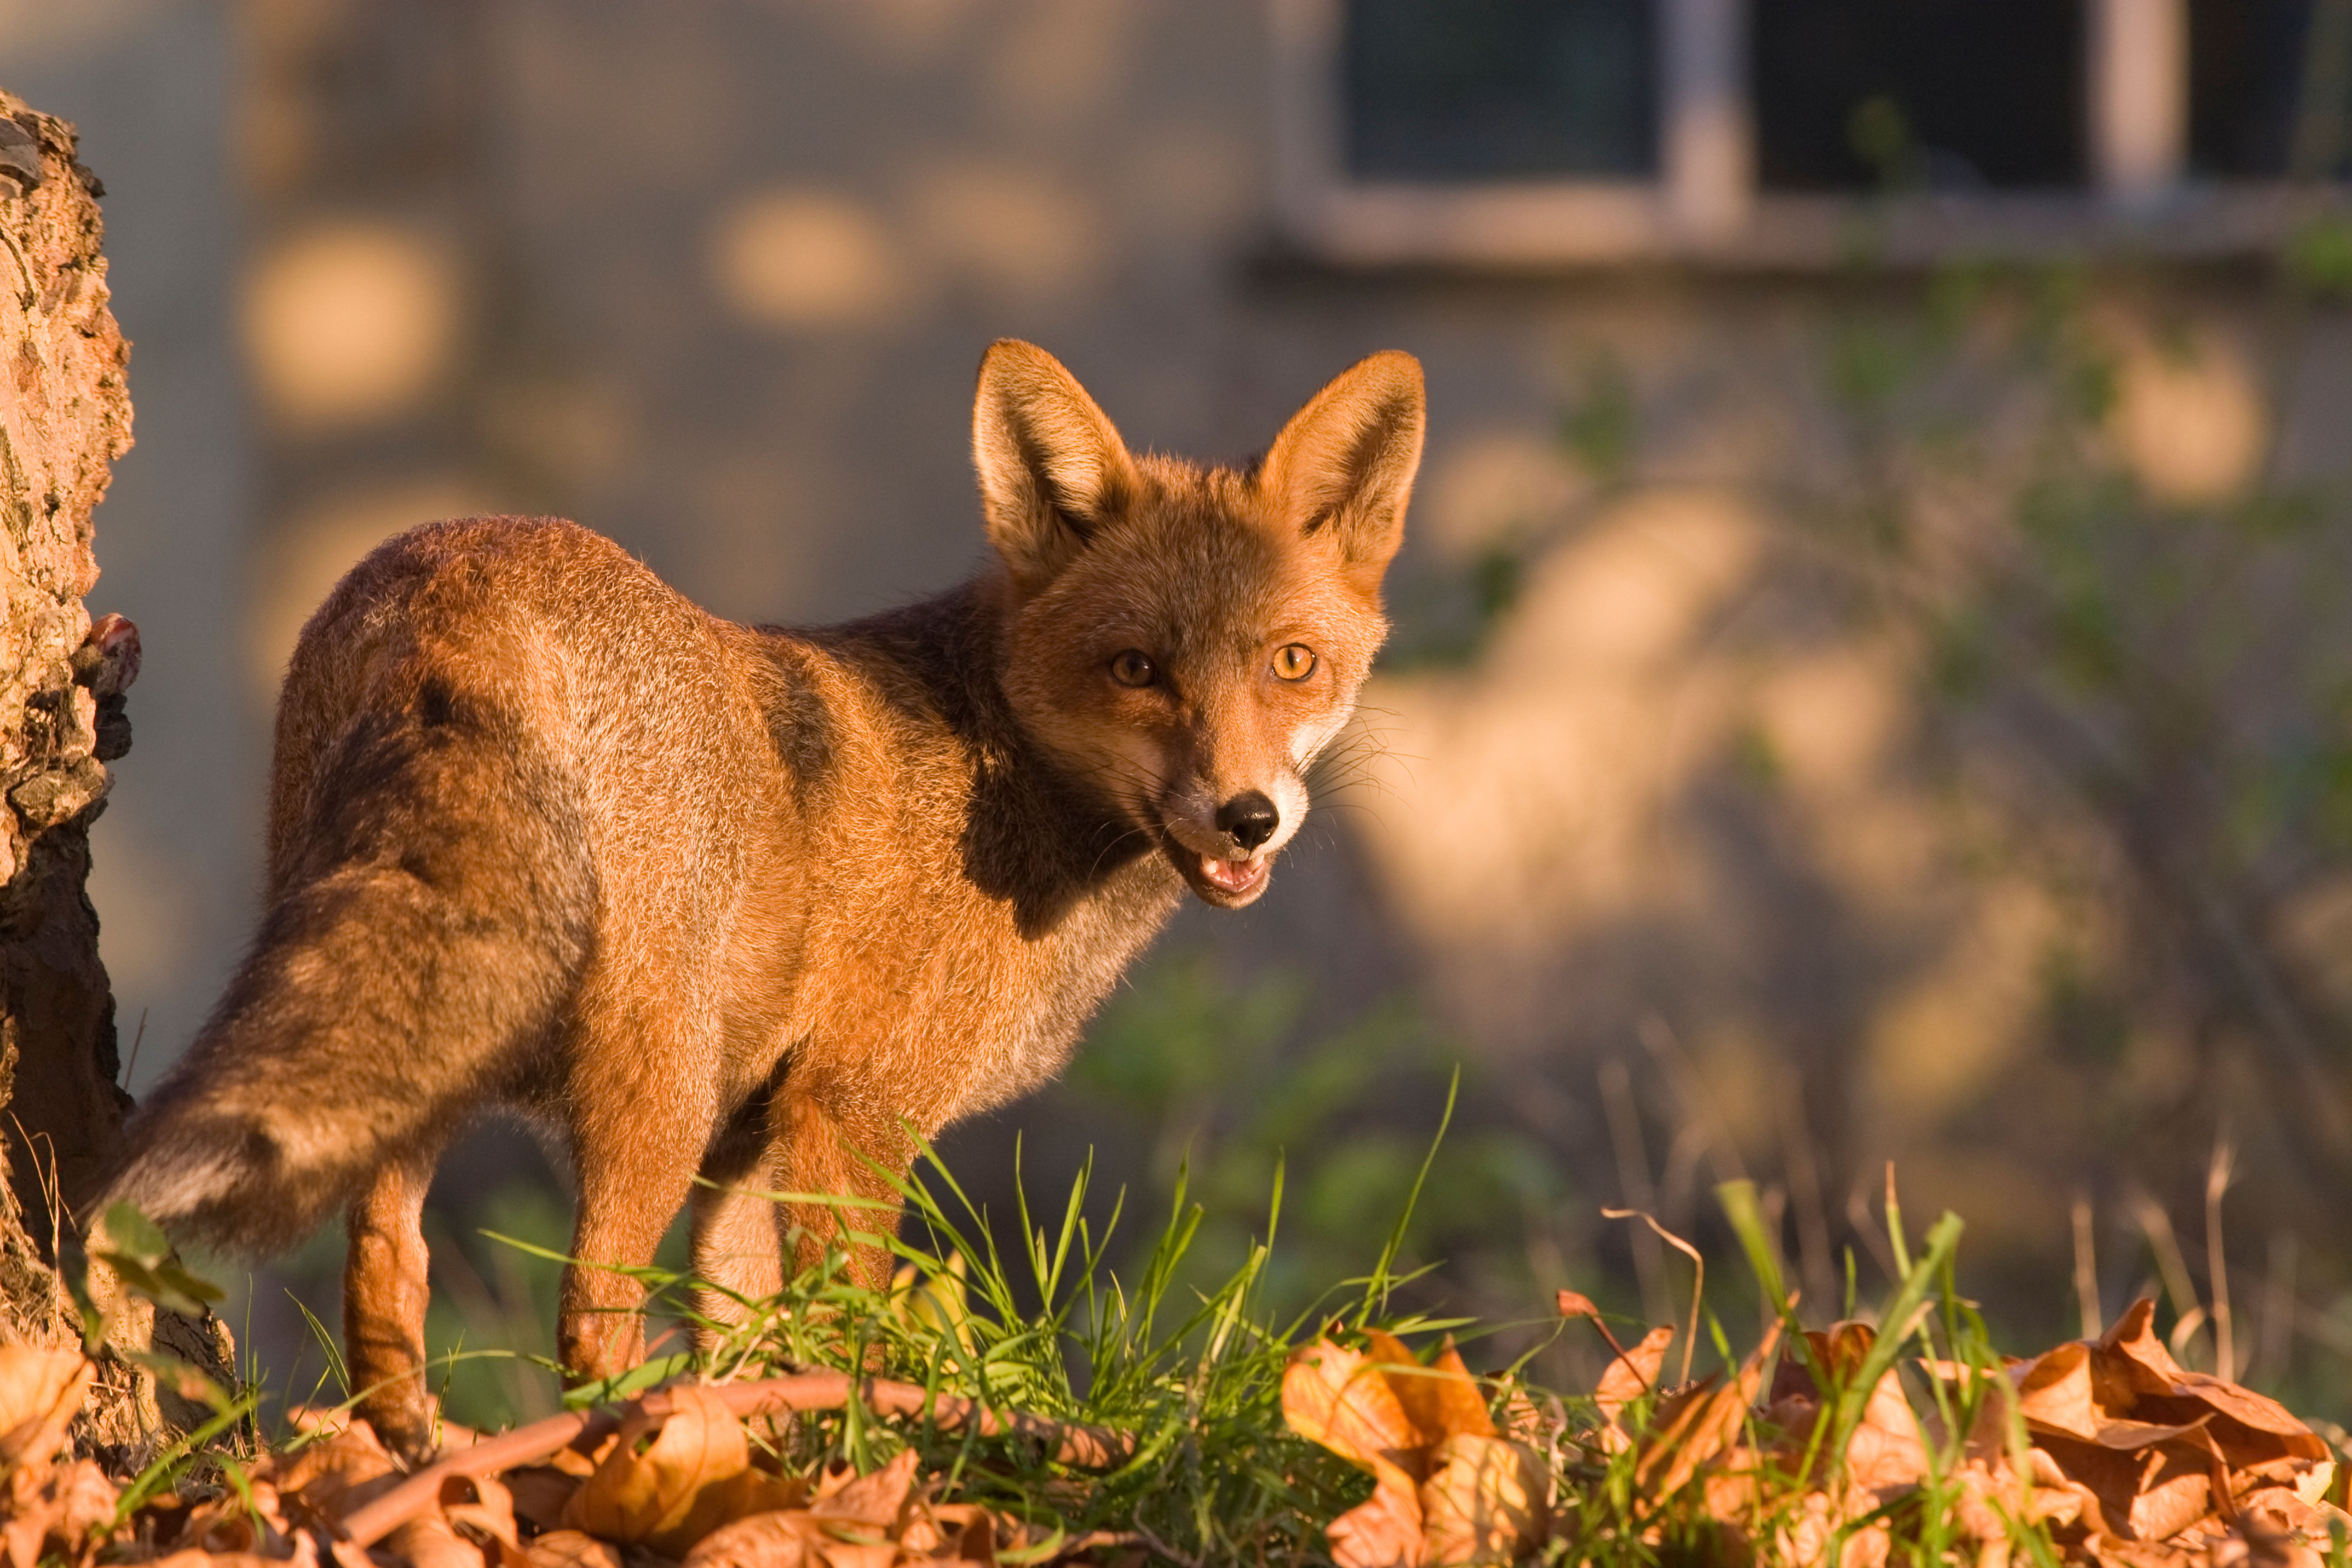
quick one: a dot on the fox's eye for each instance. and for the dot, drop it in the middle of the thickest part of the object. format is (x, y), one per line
(1293, 661)
(1133, 668)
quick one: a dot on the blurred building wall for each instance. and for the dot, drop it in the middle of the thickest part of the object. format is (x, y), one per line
(150, 83)
(713, 278)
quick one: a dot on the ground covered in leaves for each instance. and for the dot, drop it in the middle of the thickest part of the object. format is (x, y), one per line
(940, 1423)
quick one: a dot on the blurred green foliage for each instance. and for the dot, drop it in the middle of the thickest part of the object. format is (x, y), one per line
(1598, 425)
(2134, 691)
(490, 1297)
(1221, 1085)
(2131, 691)
(2319, 257)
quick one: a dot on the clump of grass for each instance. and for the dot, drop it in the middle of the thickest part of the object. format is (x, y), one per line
(1194, 1371)
(1738, 1464)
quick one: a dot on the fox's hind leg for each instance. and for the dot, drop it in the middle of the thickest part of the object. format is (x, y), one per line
(644, 1111)
(384, 1294)
(629, 1190)
(738, 1232)
(737, 1244)
(819, 1150)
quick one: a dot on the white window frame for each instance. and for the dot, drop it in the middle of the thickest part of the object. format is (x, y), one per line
(1703, 206)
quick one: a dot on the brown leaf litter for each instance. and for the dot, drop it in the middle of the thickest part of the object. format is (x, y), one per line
(673, 1477)
(2127, 1460)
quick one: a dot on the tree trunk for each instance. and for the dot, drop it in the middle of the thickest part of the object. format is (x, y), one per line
(65, 417)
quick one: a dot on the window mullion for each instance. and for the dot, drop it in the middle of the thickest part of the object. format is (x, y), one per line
(2138, 62)
(1708, 143)
(1307, 128)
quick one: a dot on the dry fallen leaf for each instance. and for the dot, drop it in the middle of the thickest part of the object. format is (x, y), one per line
(754, 1490)
(1692, 1428)
(541, 1493)
(572, 1548)
(668, 1493)
(773, 1539)
(1383, 1533)
(430, 1540)
(333, 1475)
(1450, 1489)
(963, 1532)
(481, 1508)
(229, 1523)
(306, 1555)
(1887, 1449)
(1336, 1397)
(2137, 1461)
(876, 1499)
(54, 1512)
(40, 1390)
(2054, 1392)
(853, 1521)
(2248, 1426)
(1485, 1500)
(1627, 1378)
(1441, 1400)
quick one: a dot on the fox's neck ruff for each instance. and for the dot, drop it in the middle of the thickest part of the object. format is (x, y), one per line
(1032, 833)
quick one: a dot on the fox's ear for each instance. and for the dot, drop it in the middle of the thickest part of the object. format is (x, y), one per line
(1052, 467)
(1343, 466)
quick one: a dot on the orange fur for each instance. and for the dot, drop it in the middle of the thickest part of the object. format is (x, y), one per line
(750, 902)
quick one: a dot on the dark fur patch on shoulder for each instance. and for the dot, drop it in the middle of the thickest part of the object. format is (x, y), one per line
(798, 725)
(437, 704)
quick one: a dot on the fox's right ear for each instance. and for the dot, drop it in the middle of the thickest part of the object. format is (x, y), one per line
(1052, 467)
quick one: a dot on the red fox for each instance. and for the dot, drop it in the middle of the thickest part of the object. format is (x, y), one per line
(750, 902)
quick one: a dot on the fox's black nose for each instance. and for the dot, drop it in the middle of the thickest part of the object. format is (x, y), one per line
(1249, 818)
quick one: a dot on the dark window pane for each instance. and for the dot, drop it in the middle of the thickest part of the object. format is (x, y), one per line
(1948, 94)
(2270, 84)
(1469, 90)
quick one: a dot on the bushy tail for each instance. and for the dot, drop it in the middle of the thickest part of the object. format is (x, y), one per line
(432, 910)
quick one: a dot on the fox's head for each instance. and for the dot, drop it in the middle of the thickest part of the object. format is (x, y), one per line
(1188, 639)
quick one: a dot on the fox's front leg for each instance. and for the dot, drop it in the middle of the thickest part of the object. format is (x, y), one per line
(386, 1289)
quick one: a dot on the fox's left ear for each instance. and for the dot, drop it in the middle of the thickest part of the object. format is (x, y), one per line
(1343, 466)
(1051, 469)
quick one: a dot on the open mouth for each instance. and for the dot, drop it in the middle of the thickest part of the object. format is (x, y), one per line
(1229, 883)
(1233, 876)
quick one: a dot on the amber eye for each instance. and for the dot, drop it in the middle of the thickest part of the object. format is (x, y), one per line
(1293, 661)
(1133, 669)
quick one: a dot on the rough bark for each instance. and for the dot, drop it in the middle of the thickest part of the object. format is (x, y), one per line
(65, 417)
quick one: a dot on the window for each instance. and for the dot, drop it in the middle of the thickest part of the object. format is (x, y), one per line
(1777, 131)
(2270, 83)
(1959, 95)
(1499, 89)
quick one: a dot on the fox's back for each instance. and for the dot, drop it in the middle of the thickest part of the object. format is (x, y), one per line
(830, 840)
(538, 636)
